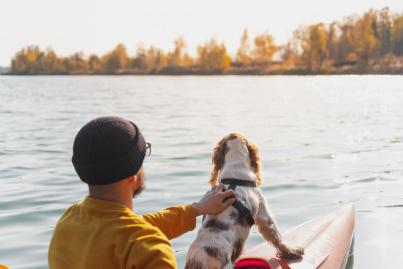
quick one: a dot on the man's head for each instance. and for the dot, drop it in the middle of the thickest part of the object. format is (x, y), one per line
(107, 150)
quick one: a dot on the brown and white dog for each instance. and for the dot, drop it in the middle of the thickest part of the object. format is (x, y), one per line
(221, 238)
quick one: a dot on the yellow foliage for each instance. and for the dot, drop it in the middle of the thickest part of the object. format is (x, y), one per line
(94, 63)
(151, 58)
(164, 60)
(397, 35)
(374, 35)
(264, 48)
(212, 55)
(289, 61)
(117, 59)
(175, 58)
(364, 38)
(29, 59)
(104, 60)
(351, 57)
(314, 45)
(244, 53)
(187, 60)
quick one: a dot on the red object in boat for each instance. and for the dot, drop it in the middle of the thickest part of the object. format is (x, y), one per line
(328, 241)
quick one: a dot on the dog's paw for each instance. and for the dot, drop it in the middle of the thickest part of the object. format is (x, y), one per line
(290, 253)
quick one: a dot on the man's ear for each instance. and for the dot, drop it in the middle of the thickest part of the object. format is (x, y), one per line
(132, 179)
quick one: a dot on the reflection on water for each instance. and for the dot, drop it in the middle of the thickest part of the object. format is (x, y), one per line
(323, 142)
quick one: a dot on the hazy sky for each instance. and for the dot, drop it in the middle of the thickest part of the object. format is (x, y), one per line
(97, 26)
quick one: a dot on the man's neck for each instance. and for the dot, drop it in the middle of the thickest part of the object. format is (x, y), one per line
(112, 194)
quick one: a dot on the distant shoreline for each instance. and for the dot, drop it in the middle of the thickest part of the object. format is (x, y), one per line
(362, 45)
(179, 71)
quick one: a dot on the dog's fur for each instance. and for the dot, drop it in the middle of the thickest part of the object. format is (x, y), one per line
(221, 238)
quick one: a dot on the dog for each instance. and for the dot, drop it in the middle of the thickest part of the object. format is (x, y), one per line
(221, 238)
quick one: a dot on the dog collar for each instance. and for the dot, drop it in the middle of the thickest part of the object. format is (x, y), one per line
(233, 182)
(239, 182)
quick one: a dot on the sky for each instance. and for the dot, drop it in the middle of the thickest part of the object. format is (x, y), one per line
(97, 26)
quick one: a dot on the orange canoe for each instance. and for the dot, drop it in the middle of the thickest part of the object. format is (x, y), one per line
(328, 241)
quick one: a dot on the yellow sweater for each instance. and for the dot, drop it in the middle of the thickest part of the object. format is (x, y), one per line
(100, 234)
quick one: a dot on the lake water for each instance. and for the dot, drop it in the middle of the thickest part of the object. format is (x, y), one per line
(324, 141)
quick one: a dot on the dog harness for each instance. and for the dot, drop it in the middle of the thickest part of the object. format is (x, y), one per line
(233, 182)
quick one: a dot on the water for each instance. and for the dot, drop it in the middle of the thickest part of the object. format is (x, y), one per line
(324, 142)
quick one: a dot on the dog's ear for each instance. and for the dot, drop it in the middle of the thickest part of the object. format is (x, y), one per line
(255, 161)
(218, 161)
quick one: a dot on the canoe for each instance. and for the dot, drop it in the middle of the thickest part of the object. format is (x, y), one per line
(328, 241)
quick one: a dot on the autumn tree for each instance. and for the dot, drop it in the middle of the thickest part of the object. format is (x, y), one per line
(397, 35)
(50, 60)
(140, 60)
(288, 54)
(117, 59)
(314, 45)
(78, 62)
(365, 42)
(331, 44)
(52, 63)
(94, 63)
(345, 42)
(69, 64)
(162, 58)
(244, 52)
(36, 59)
(318, 38)
(384, 25)
(187, 60)
(212, 55)
(264, 49)
(152, 57)
(175, 58)
(20, 61)
(29, 60)
(155, 58)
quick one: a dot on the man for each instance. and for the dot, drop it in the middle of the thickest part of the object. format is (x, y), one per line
(102, 231)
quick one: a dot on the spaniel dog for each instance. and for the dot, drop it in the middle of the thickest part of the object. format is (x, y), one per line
(221, 238)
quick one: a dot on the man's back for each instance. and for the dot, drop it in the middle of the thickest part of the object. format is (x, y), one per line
(101, 234)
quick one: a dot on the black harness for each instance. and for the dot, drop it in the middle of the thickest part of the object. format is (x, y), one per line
(233, 182)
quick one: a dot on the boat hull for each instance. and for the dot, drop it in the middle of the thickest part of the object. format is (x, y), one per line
(328, 242)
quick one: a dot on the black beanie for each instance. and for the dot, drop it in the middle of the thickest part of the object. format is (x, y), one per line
(107, 150)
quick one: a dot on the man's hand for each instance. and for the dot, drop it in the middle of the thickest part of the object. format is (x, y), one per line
(212, 202)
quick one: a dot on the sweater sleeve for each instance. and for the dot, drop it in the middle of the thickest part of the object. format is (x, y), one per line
(173, 221)
(152, 251)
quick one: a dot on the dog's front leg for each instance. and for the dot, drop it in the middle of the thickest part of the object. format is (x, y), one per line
(268, 228)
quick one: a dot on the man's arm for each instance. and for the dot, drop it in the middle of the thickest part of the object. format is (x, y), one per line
(175, 221)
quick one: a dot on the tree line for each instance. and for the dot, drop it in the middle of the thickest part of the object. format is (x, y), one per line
(376, 36)
(31, 59)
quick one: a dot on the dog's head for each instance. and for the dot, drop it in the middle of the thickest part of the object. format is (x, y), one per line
(221, 150)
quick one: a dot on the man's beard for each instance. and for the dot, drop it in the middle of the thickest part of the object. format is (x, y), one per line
(141, 179)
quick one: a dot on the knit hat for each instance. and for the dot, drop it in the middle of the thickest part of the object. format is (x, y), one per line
(107, 150)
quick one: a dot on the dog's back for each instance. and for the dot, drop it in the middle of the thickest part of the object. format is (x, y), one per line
(219, 241)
